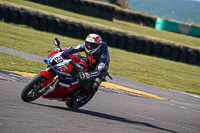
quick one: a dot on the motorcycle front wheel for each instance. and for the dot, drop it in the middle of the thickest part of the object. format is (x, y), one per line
(31, 91)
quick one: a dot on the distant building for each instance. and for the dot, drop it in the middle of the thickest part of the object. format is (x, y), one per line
(121, 3)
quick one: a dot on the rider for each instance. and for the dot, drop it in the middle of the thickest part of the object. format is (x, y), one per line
(97, 59)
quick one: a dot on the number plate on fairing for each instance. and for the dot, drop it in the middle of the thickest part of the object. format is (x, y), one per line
(58, 59)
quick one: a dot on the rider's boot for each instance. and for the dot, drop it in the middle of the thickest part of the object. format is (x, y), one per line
(95, 86)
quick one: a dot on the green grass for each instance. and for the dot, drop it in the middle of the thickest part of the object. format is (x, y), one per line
(116, 25)
(13, 63)
(151, 70)
(155, 71)
(20, 38)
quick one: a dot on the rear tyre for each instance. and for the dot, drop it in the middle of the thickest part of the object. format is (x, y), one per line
(79, 101)
(31, 91)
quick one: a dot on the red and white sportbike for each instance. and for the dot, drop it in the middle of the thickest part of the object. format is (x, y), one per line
(60, 80)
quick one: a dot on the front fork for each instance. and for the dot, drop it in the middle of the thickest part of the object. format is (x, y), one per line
(54, 79)
(49, 77)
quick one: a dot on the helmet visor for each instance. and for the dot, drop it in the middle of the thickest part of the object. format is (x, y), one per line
(91, 46)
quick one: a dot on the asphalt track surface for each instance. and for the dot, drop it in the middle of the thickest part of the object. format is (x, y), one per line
(109, 111)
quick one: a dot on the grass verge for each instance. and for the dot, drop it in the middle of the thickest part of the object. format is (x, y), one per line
(151, 70)
(13, 63)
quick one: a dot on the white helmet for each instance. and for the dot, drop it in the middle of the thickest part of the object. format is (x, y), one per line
(93, 43)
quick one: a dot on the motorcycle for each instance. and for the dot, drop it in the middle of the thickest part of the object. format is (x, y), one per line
(60, 80)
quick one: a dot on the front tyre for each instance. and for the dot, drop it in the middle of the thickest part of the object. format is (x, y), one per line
(32, 90)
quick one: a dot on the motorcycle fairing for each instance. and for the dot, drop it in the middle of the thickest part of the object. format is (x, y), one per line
(61, 91)
(48, 76)
(62, 67)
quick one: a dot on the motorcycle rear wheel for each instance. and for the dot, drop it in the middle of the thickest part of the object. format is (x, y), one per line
(77, 104)
(31, 91)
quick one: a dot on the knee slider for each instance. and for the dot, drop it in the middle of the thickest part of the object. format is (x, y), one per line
(95, 85)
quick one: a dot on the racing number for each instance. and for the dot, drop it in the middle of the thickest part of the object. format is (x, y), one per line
(58, 59)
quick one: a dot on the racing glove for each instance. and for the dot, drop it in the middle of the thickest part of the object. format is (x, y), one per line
(83, 75)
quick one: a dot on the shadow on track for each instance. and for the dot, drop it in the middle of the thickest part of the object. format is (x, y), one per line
(106, 116)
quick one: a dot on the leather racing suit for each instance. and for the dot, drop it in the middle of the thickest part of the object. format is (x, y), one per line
(98, 62)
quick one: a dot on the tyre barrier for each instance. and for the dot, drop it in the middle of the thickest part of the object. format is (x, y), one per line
(165, 50)
(150, 22)
(198, 58)
(88, 8)
(69, 29)
(14, 13)
(192, 56)
(33, 20)
(156, 49)
(5, 11)
(148, 47)
(119, 15)
(113, 39)
(23, 17)
(183, 54)
(51, 23)
(59, 26)
(135, 18)
(109, 11)
(42, 20)
(127, 16)
(121, 43)
(78, 31)
(131, 43)
(140, 43)
(174, 53)
(95, 30)
(106, 35)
